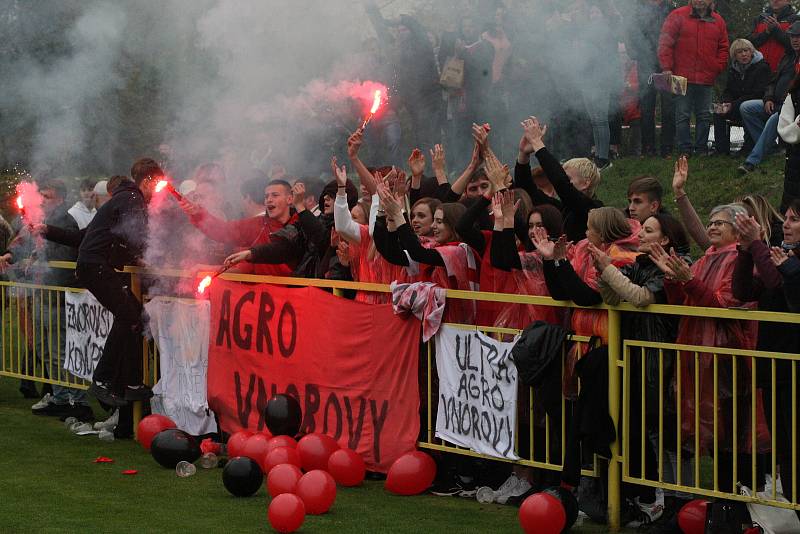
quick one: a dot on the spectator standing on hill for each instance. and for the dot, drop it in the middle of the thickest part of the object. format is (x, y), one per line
(643, 48)
(694, 44)
(769, 33)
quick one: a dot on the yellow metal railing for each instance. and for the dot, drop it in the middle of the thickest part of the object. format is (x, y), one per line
(18, 335)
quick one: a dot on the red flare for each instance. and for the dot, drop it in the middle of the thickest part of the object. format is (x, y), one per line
(376, 103)
(162, 184)
(20, 205)
(204, 283)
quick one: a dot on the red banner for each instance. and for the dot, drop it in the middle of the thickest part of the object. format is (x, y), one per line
(352, 366)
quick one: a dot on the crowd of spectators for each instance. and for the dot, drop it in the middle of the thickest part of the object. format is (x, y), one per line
(539, 229)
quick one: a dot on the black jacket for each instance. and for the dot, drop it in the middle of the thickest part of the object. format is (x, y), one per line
(117, 235)
(575, 205)
(779, 85)
(790, 271)
(305, 243)
(747, 84)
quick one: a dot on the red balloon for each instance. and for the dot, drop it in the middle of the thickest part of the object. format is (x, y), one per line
(411, 474)
(281, 441)
(152, 425)
(286, 513)
(315, 449)
(542, 513)
(347, 467)
(692, 517)
(235, 445)
(255, 448)
(317, 489)
(283, 478)
(281, 455)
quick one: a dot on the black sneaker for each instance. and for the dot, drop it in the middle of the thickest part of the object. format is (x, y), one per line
(138, 393)
(103, 394)
(52, 409)
(603, 164)
(454, 487)
(746, 168)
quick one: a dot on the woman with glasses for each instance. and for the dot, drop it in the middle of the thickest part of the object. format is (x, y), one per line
(708, 283)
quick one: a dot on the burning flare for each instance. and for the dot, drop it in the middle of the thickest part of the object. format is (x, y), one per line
(164, 184)
(204, 283)
(376, 104)
(20, 205)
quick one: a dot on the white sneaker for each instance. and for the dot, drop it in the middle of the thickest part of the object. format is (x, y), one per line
(109, 423)
(647, 513)
(516, 490)
(42, 403)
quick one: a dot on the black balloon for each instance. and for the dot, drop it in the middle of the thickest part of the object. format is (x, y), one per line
(172, 446)
(242, 476)
(283, 415)
(568, 501)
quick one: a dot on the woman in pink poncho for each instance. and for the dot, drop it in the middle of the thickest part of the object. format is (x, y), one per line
(708, 283)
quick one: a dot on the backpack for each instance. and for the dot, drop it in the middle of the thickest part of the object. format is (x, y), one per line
(538, 348)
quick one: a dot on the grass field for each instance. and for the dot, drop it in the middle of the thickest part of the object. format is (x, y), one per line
(49, 484)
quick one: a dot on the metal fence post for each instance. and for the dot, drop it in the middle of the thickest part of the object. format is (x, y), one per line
(614, 465)
(136, 289)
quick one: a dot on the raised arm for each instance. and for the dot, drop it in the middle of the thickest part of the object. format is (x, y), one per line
(353, 146)
(343, 221)
(689, 216)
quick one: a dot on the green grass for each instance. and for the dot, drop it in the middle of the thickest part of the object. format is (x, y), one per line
(713, 180)
(49, 484)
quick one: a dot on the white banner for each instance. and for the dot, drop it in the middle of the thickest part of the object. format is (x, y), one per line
(181, 330)
(477, 392)
(88, 325)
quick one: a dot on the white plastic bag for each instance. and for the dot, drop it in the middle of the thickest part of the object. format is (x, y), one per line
(771, 519)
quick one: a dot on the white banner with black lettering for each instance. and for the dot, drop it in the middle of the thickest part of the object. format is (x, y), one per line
(181, 330)
(477, 392)
(88, 325)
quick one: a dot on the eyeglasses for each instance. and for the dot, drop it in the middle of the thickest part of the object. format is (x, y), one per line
(718, 224)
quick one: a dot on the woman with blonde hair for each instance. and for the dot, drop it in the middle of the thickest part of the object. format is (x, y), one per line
(748, 76)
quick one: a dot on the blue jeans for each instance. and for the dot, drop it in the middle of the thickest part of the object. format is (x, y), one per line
(698, 101)
(761, 126)
(596, 100)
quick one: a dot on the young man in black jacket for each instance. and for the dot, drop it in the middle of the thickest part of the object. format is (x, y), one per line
(117, 237)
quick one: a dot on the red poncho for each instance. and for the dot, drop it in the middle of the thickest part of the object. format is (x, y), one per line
(711, 287)
(366, 265)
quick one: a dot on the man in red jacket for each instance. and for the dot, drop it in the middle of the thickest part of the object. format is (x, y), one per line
(694, 44)
(769, 32)
(253, 230)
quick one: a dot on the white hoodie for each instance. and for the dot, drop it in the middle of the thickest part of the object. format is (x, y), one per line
(82, 215)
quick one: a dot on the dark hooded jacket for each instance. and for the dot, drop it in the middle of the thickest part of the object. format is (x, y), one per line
(746, 82)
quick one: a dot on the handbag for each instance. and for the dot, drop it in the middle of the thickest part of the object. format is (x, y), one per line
(452, 73)
(668, 83)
